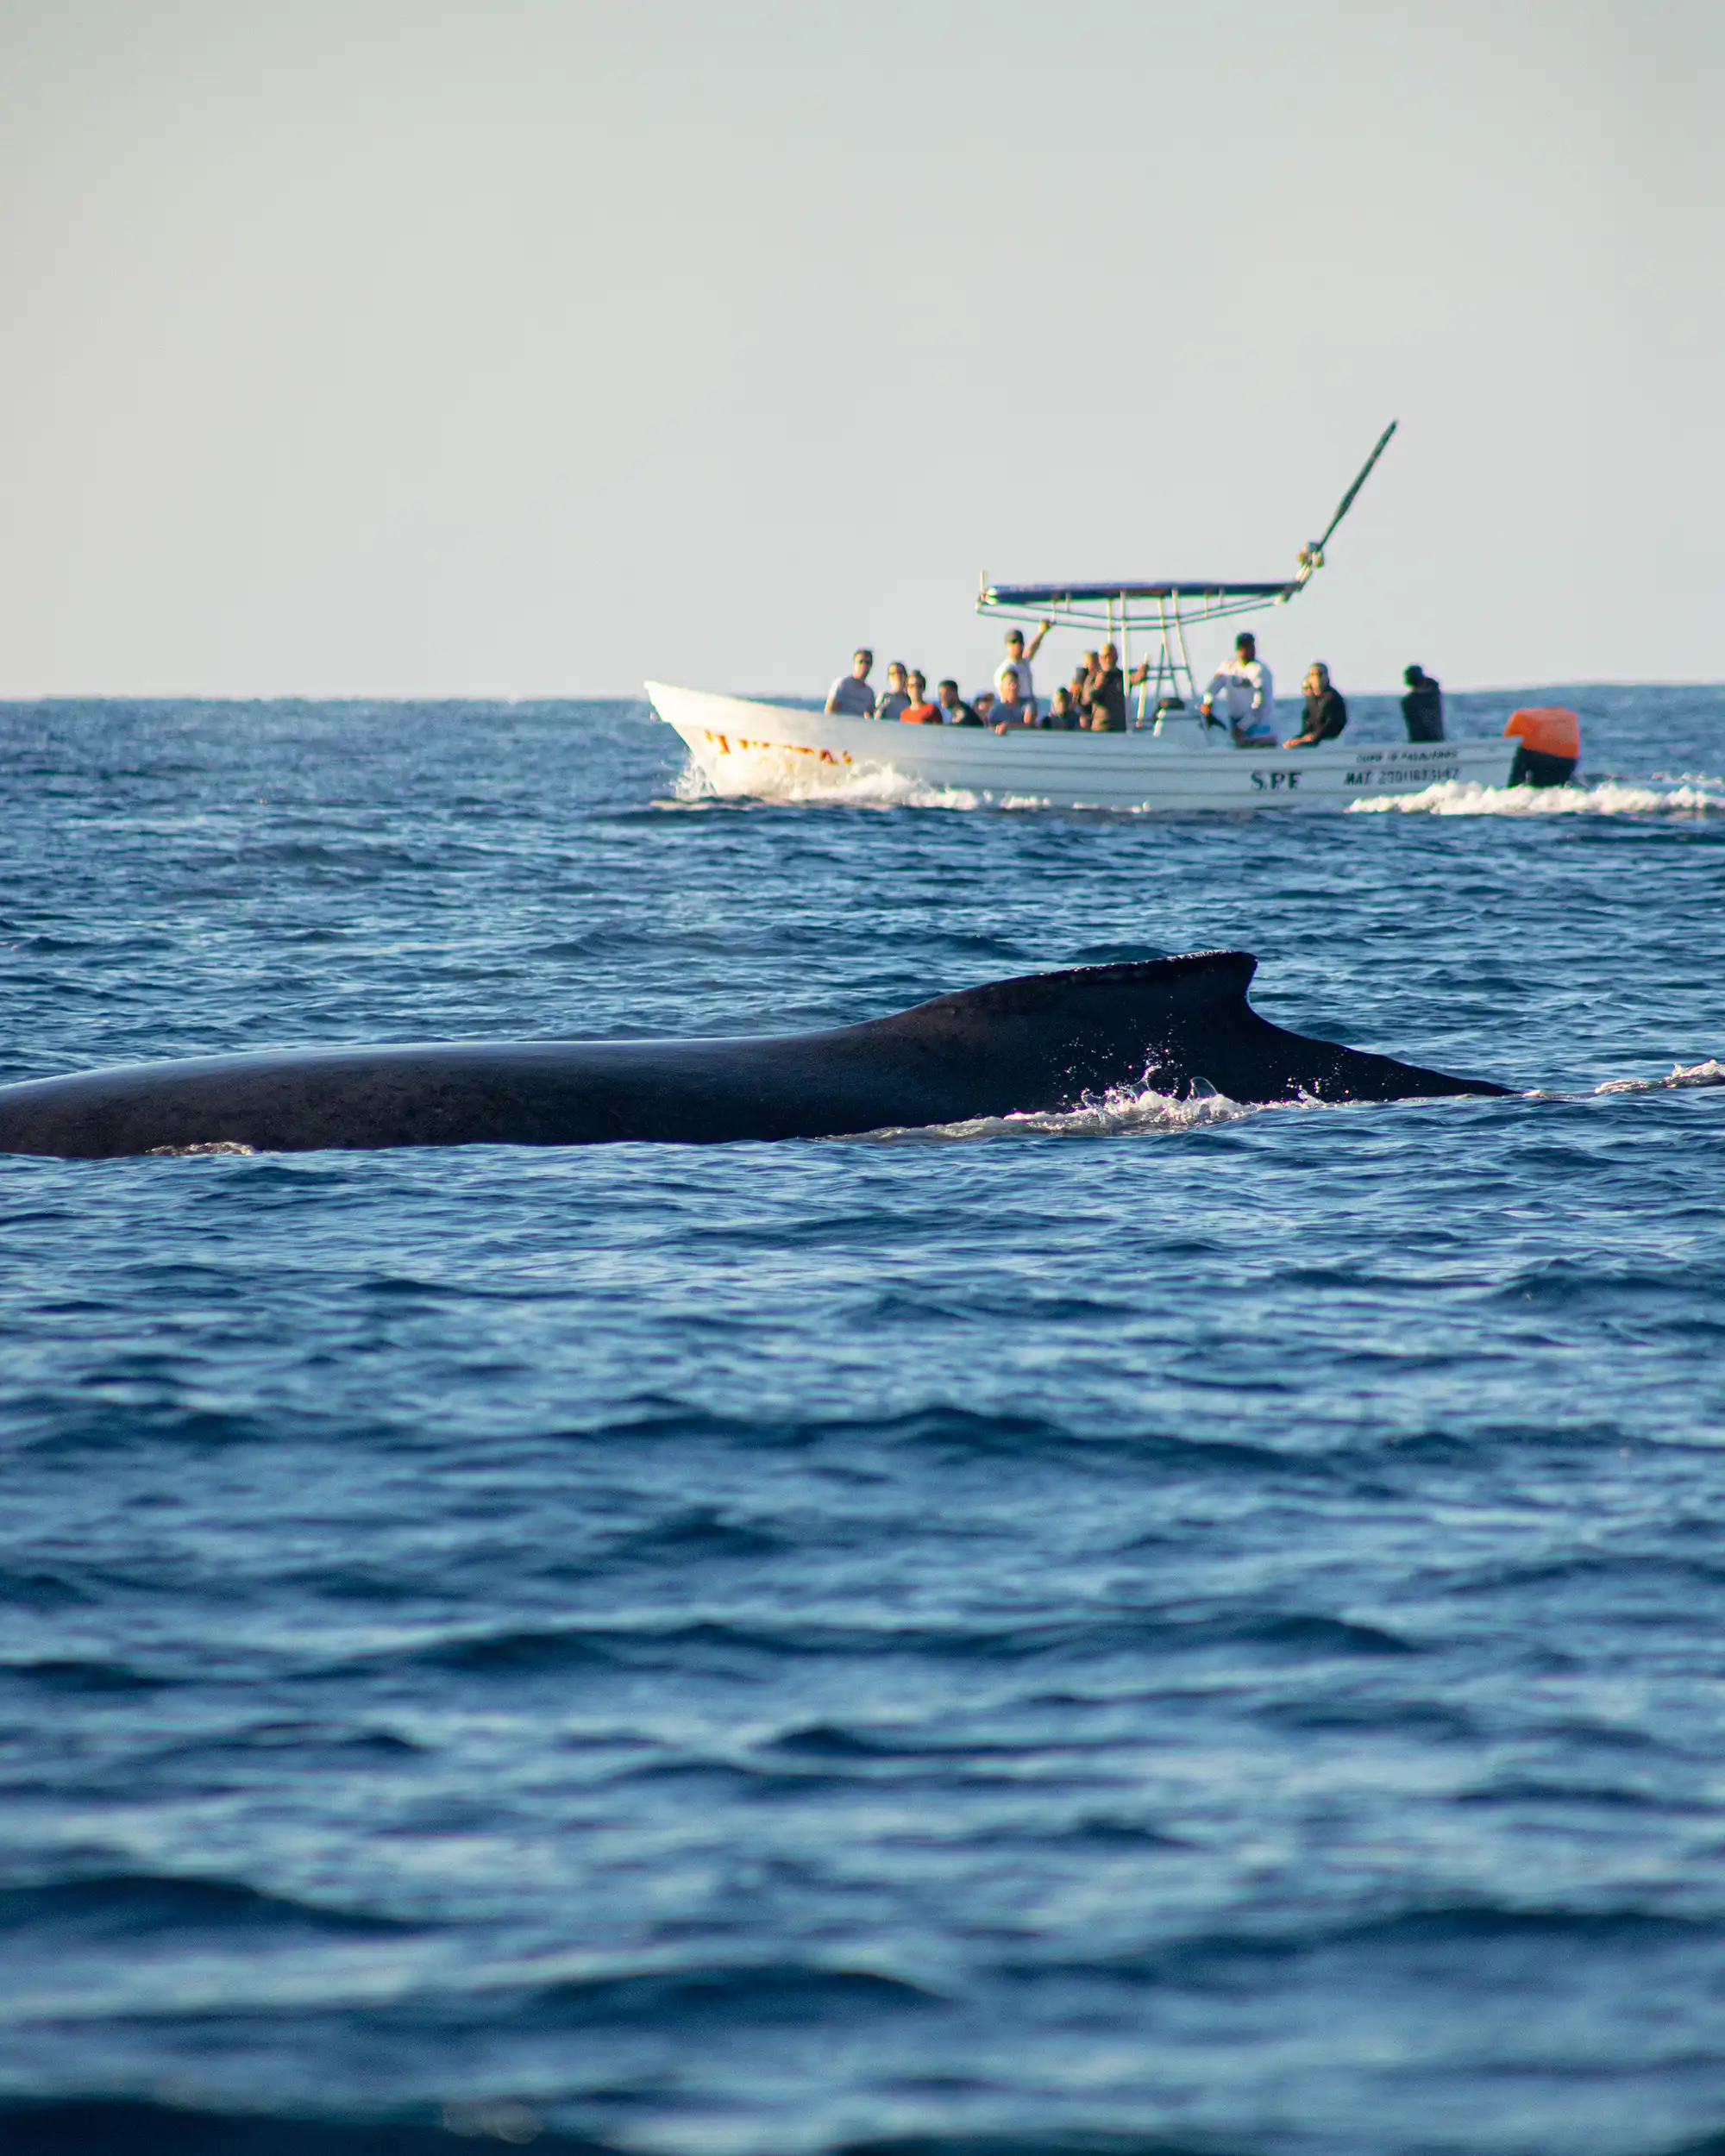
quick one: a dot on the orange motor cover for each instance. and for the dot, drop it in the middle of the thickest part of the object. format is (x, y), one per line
(1548, 730)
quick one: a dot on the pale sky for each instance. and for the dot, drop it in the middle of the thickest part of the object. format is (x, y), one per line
(531, 348)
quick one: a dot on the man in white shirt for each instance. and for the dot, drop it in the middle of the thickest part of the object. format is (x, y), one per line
(850, 696)
(1017, 662)
(1250, 690)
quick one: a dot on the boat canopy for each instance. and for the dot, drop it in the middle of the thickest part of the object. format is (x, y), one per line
(1161, 612)
(1158, 613)
(1119, 603)
(1066, 594)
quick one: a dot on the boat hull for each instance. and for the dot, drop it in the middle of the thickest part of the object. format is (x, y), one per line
(744, 749)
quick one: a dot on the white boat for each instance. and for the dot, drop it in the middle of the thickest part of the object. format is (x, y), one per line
(1170, 759)
(745, 747)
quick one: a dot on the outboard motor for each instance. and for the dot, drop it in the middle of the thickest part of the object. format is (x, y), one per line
(1550, 745)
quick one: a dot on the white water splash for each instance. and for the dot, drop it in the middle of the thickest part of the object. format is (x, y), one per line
(1711, 1072)
(1610, 797)
(781, 776)
(1127, 1112)
(1124, 1111)
(197, 1152)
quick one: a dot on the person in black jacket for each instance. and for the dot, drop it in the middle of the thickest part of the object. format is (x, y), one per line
(1423, 705)
(1325, 712)
(954, 710)
(1106, 701)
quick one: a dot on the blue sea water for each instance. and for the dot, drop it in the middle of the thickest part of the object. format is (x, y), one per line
(1163, 1631)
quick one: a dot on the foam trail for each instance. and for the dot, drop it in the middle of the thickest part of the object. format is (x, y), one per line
(785, 776)
(1122, 1112)
(1610, 797)
(1711, 1072)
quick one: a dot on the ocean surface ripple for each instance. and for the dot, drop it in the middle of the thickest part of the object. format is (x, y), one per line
(1178, 1630)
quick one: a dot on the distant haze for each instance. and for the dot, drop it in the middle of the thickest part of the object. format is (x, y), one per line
(416, 347)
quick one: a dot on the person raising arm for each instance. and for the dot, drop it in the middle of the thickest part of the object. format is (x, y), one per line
(1017, 662)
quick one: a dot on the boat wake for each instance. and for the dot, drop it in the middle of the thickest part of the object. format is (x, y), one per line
(1684, 795)
(781, 777)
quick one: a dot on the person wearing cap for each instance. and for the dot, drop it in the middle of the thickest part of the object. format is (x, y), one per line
(1326, 712)
(1422, 708)
(1017, 662)
(1249, 689)
(850, 696)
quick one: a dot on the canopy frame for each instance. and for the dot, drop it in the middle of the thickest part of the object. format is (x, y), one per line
(1160, 611)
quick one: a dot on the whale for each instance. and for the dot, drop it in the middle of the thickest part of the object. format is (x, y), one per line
(1045, 1043)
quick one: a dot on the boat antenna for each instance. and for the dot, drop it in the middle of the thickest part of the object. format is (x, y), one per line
(1312, 554)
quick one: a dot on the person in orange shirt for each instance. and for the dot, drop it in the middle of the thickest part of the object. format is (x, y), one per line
(919, 711)
(1550, 739)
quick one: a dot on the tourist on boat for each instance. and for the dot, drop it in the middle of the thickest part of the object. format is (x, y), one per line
(1423, 705)
(896, 694)
(850, 696)
(919, 711)
(1012, 712)
(954, 710)
(1326, 712)
(1017, 663)
(1064, 715)
(1249, 689)
(1105, 703)
(1079, 690)
(985, 707)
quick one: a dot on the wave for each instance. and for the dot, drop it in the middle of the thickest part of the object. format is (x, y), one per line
(700, 1645)
(1125, 1112)
(206, 1149)
(1479, 1929)
(780, 777)
(1121, 1112)
(1608, 797)
(121, 2127)
(75, 1675)
(1711, 1072)
(749, 1995)
(133, 1906)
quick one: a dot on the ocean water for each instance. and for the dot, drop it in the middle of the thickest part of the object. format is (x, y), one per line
(1189, 1631)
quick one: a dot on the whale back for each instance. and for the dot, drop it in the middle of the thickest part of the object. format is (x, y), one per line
(1044, 1042)
(1175, 1023)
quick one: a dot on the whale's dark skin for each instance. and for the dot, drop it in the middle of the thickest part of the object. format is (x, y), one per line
(1044, 1043)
